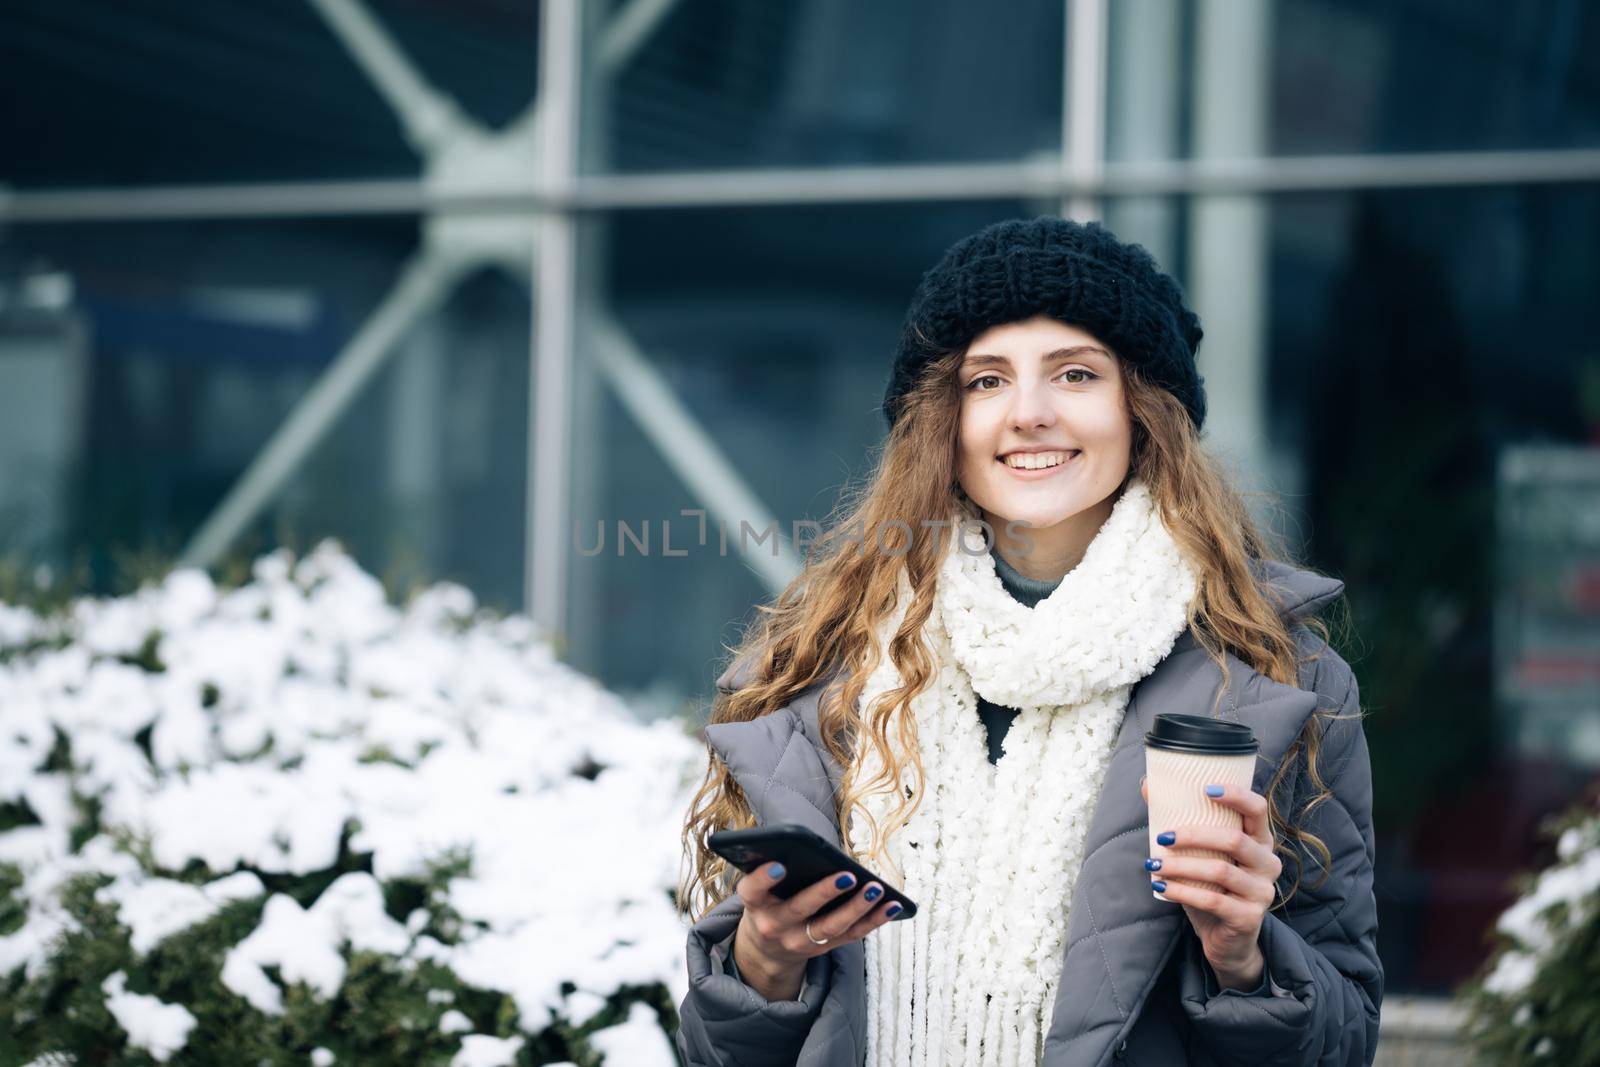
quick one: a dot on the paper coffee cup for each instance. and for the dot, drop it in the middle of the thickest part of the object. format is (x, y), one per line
(1182, 755)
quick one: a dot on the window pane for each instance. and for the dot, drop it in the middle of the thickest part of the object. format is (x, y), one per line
(722, 83)
(1340, 76)
(165, 91)
(148, 365)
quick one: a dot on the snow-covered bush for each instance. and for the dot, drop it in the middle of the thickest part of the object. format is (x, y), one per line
(1537, 1000)
(291, 823)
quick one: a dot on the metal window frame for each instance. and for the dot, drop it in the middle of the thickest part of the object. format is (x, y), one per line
(1035, 178)
(1078, 176)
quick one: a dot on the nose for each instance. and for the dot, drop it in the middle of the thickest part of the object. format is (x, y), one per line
(1031, 407)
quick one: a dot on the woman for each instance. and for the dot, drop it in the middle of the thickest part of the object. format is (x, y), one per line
(974, 719)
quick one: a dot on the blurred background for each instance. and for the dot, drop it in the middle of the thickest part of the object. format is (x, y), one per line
(468, 284)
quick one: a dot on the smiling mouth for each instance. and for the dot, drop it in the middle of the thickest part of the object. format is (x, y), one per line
(1037, 461)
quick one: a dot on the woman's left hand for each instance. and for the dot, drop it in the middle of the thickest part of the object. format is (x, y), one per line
(1228, 923)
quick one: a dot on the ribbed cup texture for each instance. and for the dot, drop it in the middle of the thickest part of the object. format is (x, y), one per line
(1176, 782)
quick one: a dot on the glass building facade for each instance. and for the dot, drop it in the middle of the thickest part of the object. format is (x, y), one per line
(531, 297)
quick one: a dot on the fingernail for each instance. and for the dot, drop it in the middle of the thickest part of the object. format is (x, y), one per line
(776, 871)
(1166, 837)
(873, 893)
(1213, 790)
(844, 881)
(893, 910)
(1152, 864)
(1159, 886)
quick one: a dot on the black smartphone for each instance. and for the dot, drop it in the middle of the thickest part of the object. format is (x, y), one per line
(806, 858)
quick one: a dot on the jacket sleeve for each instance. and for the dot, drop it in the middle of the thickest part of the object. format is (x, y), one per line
(723, 1021)
(1321, 947)
(1266, 988)
(722, 955)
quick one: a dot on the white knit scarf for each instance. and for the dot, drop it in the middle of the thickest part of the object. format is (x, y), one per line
(992, 854)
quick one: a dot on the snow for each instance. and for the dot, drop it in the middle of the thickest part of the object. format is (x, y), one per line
(638, 1042)
(1530, 923)
(481, 1050)
(305, 943)
(582, 1006)
(454, 1022)
(41, 853)
(17, 626)
(156, 908)
(160, 1029)
(303, 707)
(1572, 884)
(1512, 974)
(242, 813)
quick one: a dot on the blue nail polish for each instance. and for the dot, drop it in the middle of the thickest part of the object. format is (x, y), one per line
(893, 910)
(1166, 837)
(1213, 790)
(873, 893)
(1159, 886)
(776, 871)
(844, 881)
(1152, 864)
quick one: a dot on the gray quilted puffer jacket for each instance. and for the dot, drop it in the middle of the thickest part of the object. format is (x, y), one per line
(1134, 987)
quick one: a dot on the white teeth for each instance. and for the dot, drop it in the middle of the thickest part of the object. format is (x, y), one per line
(1036, 460)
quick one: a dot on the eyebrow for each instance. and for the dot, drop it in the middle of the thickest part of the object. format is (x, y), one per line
(1060, 355)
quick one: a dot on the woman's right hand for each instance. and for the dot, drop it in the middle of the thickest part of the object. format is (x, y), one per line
(771, 947)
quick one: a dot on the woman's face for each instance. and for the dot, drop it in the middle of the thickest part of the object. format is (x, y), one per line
(1049, 395)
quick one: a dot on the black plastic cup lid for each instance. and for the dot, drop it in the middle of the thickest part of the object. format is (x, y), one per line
(1196, 733)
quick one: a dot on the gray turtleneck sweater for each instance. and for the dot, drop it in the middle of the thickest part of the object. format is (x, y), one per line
(997, 719)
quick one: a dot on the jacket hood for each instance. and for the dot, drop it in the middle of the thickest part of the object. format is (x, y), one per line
(1298, 593)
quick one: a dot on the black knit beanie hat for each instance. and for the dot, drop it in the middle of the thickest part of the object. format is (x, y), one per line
(1078, 273)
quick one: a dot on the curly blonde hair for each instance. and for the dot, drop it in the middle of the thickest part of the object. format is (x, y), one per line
(825, 621)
